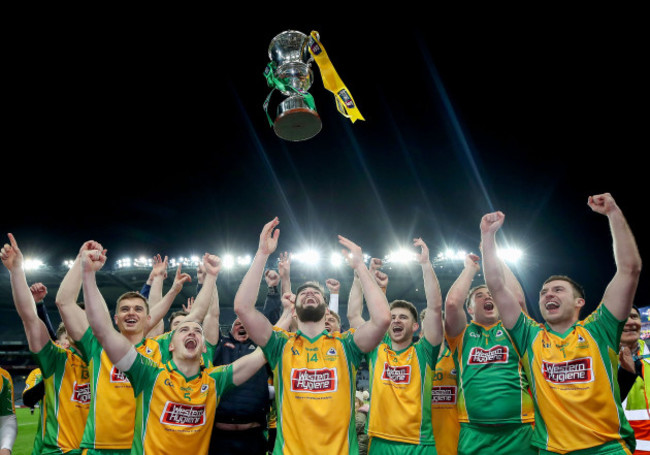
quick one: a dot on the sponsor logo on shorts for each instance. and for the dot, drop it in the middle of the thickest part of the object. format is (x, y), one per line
(321, 380)
(480, 356)
(81, 393)
(183, 414)
(118, 376)
(443, 394)
(396, 374)
(569, 372)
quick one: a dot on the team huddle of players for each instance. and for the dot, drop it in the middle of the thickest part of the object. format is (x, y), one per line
(499, 383)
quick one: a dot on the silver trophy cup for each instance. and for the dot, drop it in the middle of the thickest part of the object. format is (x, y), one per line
(296, 119)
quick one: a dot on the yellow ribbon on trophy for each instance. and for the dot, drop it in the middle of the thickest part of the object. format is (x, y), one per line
(331, 80)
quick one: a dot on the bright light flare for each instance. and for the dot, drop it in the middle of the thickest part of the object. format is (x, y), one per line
(307, 257)
(512, 255)
(401, 256)
(32, 264)
(228, 261)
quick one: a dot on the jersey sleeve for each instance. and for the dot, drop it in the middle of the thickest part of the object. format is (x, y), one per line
(6, 394)
(34, 388)
(523, 332)
(455, 341)
(604, 327)
(429, 351)
(88, 345)
(355, 355)
(223, 378)
(273, 348)
(49, 357)
(142, 373)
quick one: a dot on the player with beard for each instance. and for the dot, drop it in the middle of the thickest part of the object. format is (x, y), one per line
(175, 401)
(484, 354)
(314, 371)
(401, 371)
(571, 364)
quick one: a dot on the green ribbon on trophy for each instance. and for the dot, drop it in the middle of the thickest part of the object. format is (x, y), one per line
(331, 80)
(279, 84)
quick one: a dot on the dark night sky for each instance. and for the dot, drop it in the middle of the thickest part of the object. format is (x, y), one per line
(152, 139)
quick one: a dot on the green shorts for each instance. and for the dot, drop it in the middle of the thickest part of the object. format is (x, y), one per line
(506, 439)
(379, 446)
(609, 448)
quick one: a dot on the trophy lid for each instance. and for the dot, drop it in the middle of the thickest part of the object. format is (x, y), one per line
(289, 46)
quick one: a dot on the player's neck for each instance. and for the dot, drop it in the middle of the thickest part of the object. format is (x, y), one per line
(189, 367)
(561, 326)
(311, 329)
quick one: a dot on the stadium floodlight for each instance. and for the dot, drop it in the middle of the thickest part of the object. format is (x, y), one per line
(32, 264)
(244, 260)
(68, 263)
(401, 256)
(228, 261)
(142, 262)
(336, 259)
(123, 263)
(309, 257)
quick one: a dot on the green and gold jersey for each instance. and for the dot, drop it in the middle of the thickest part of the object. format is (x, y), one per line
(174, 413)
(35, 377)
(165, 356)
(444, 404)
(315, 384)
(67, 398)
(574, 381)
(7, 406)
(492, 386)
(112, 406)
(400, 387)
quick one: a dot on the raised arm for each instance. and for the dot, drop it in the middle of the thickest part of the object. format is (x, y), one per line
(284, 269)
(333, 286)
(370, 334)
(432, 324)
(211, 319)
(73, 316)
(114, 343)
(39, 291)
(154, 295)
(272, 308)
(495, 276)
(619, 295)
(288, 310)
(257, 325)
(158, 312)
(355, 304)
(35, 330)
(455, 316)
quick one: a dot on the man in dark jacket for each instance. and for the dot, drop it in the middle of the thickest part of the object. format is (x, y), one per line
(240, 422)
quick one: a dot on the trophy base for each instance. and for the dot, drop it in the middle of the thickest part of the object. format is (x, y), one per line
(297, 124)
